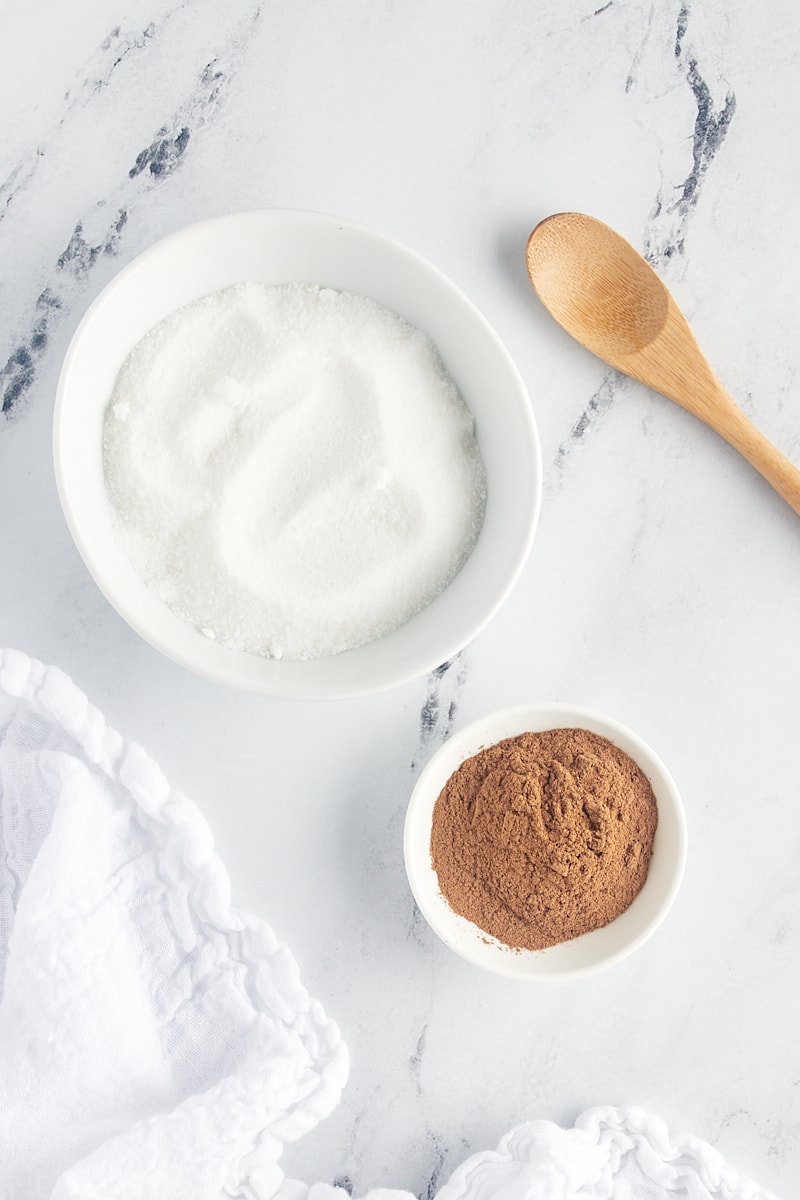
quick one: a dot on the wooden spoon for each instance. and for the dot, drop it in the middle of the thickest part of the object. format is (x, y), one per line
(604, 293)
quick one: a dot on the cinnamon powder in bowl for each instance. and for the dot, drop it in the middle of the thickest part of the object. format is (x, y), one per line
(545, 842)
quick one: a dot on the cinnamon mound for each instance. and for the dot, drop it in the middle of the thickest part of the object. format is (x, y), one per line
(543, 837)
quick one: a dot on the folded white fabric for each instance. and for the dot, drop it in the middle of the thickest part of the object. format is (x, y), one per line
(154, 1042)
(157, 1044)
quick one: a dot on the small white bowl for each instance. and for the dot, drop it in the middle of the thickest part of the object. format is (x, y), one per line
(276, 246)
(582, 955)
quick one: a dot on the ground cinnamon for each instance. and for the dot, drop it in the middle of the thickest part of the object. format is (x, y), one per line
(544, 836)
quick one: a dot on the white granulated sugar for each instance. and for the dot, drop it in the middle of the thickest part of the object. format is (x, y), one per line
(291, 468)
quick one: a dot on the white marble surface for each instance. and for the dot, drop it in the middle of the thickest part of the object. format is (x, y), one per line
(664, 584)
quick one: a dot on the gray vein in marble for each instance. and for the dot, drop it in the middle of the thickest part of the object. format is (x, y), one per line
(439, 1148)
(443, 688)
(667, 227)
(415, 1062)
(437, 715)
(680, 32)
(597, 12)
(19, 371)
(710, 129)
(94, 237)
(80, 255)
(439, 1155)
(418, 930)
(95, 76)
(665, 233)
(633, 74)
(16, 181)
(599, 404)
(163, 154)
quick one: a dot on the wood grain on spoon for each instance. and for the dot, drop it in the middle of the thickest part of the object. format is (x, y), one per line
(607, 297)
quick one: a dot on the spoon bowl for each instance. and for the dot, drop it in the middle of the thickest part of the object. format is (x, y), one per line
(604, 293)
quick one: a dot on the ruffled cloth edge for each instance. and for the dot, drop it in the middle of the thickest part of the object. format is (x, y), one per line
(58, 699)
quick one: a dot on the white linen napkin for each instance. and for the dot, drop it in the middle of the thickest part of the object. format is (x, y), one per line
(158, 1044)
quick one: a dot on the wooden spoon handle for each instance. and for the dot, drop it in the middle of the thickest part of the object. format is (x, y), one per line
(730, 422)
(674, 365)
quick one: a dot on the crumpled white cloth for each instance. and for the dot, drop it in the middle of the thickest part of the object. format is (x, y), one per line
(158, 1044)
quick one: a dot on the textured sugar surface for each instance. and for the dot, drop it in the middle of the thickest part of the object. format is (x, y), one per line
(291, 468)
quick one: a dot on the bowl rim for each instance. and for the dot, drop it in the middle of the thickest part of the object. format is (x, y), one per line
(556, 963)
(414, 666)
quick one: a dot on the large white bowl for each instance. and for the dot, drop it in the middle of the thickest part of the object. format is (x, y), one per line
(277, 246)
(582, 955)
